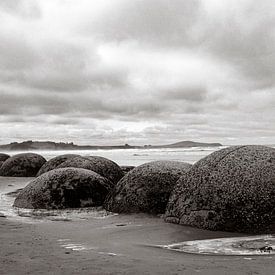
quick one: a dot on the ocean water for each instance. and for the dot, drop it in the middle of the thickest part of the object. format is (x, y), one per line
(139, 156)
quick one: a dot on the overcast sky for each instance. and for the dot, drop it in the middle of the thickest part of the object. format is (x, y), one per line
(137, 72)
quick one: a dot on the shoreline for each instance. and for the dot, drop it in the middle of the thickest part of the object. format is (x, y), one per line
(123, 244)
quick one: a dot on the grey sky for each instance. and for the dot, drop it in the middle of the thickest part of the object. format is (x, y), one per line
(147, 71)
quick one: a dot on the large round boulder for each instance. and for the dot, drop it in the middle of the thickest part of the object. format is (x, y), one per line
(232, 189)
(100, 165)
(146, 188)
(54, 162)
(64, 188)
(22, 165)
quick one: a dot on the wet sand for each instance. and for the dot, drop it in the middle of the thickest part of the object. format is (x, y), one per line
(122, 244)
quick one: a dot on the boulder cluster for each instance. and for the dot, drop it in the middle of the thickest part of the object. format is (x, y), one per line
(232, 189)
(70, 181)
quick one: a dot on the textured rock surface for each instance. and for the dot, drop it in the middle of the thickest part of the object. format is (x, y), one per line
(54, 162)
(104, 167)
(232, 190)
(22, 165)
(146, 188)
(126, 168)
(64, 188)
(3, 157)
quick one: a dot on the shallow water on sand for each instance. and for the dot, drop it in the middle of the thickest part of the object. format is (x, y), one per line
(251, 245)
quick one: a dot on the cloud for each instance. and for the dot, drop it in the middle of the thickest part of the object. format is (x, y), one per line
(153, 70)
(193, 94)
(27, 9)
(241, 34)
(155, 21)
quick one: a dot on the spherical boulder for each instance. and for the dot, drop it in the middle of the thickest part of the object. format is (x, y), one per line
(146, 188)
(64, 188)
(54, 162)
(22, 165)
(100, 165)
(232, 189)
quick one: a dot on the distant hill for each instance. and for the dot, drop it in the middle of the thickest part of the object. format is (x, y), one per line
(50, 145)
(187, 143)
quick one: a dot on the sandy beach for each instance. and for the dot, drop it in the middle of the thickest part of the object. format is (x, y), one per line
(117, 244)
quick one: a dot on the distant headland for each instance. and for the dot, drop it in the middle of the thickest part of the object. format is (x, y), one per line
(50, 145)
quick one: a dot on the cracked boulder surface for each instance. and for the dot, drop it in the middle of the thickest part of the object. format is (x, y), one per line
(103, 166)
(232, 189)
(64, 188)
(54, 162)
(146, 188)
(22, 165)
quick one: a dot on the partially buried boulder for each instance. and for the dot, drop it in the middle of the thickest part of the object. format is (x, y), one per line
(232, 189)
(64, 188)
(54, 162)
(100, 165)
(22, 165)
(146, 188)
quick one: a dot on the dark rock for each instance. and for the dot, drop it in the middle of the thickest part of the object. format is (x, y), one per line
(3, 157)
(126, 168)
(64, 188)
(232, 189)
(104, 167)
(54, 162)
(146, 188)
(22, 165)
